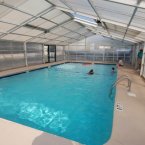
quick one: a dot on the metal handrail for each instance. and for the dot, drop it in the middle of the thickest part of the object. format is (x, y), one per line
(121, 78)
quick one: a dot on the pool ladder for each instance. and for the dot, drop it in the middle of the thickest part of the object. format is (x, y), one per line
(121, 78)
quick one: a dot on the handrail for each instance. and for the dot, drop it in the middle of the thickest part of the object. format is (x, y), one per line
(121, 78)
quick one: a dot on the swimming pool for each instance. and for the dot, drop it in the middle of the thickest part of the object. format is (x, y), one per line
(62, 100)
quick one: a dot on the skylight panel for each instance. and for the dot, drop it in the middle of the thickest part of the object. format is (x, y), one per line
(85, 20)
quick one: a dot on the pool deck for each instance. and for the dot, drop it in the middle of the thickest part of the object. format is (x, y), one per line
(128, 124)
(15, 134)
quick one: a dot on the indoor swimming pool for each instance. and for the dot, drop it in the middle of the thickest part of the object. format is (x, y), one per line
(62, 100)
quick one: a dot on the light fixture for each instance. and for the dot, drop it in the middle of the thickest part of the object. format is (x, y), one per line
(85, 22)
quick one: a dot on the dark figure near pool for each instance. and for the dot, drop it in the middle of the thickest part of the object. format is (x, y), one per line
(91, 72)
(113, 69)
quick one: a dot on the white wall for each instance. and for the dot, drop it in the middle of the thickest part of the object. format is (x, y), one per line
(94, 42)
(101, 49)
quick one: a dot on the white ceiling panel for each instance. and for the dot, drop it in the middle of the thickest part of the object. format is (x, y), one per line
(58, 3)
(22, 30)
(71, 41)
(37, 22)
(113, 27)
(72, 26)
(47, 25)
(132, 33)
(141, 36)
(82, 6)
(142, 4)
(130, 39)
(116, 34)
(16, 37)
(22, 38)
(34, 7)
(49, 36)
(61, 18)
(60, 31)
(140, 23)
(113, 7)
(140, 14)
(83, 31)
(4, 10)
(139, 19)
(63, 43)
(15, 17)
(101, 30)
(39, 40)
(129, 2)
(114, 17)
(120, 29)
(28, 31)
(73, 35)
(89, 34)
(10, 37)
(34, 32)
(14, 3)
(113, 11)
(62, 38)
(53, 42)
(42, 23)
(52, 14)
(4, 27)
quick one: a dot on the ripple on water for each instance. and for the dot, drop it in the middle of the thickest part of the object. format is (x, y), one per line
(44, 116)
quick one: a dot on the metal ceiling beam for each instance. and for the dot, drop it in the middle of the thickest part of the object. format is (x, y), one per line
(34, 37)
(33, 18)
(27, 21)
(59, 25)
(13, 8)
(70, 10)
(68, 33)
(55, 27)
(117, 2)
(134, 12)
(68, 5)
(69, 14)
(93, 7)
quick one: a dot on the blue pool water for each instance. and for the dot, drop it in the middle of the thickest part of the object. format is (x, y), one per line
(62, 100)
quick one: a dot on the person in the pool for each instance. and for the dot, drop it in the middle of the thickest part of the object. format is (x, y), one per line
(113, 70)
(91, 72)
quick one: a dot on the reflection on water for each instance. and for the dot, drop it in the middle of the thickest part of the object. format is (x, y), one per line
(44, 116)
